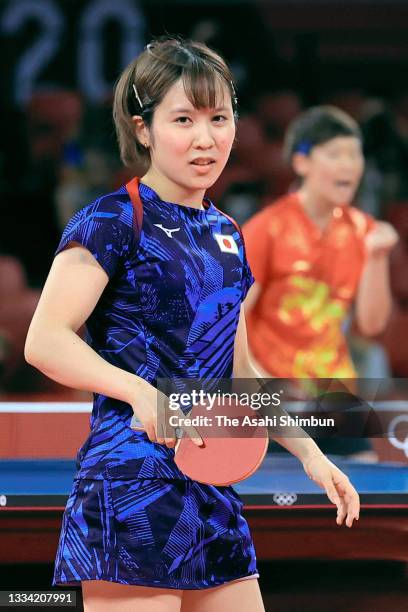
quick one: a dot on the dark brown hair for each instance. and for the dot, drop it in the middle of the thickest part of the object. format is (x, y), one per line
(153, 72)
(316, 126)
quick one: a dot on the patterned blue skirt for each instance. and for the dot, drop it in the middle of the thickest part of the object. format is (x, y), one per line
(167, 533)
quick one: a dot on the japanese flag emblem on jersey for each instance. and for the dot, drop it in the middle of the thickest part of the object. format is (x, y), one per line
(227, 244)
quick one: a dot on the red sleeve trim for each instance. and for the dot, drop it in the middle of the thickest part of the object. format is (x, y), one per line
(230, 218)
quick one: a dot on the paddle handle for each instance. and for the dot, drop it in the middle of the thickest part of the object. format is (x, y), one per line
(140, 428)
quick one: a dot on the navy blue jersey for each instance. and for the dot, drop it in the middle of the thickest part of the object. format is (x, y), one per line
(177, 278)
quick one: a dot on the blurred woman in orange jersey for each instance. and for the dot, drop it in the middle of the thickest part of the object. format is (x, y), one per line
(313, 254)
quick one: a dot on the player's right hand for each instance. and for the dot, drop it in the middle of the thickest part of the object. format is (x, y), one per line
(151, 407)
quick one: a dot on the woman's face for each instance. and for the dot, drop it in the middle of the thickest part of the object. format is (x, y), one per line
(191, 146)
(333, 170)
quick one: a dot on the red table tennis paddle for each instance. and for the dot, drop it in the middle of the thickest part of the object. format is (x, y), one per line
(229, 454)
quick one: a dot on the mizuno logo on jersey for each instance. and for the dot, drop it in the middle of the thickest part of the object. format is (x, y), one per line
(227, 244)
(167, 230)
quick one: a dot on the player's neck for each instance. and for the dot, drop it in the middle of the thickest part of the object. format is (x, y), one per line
(169, 191)
(317, 208)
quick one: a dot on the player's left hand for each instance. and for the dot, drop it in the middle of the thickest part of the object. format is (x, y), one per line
(338, 487)
(381, 239)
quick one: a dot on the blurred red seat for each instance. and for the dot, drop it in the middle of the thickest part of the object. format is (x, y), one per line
(12, 277)
(397, 214)
(395, 341)
(54, 117)
(395, 337)
(17, 305)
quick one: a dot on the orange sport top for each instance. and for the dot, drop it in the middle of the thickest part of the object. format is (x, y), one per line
(309, 279)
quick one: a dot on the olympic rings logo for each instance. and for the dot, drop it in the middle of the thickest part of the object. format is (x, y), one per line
(401, 444)
(285, 499)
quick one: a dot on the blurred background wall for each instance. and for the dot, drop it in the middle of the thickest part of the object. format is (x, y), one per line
(59, 61)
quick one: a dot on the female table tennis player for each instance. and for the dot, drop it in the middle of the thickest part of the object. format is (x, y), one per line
(159, 274)
(312, 255)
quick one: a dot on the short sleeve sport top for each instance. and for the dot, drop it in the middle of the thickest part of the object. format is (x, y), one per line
(177, 277)
(309, 280)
